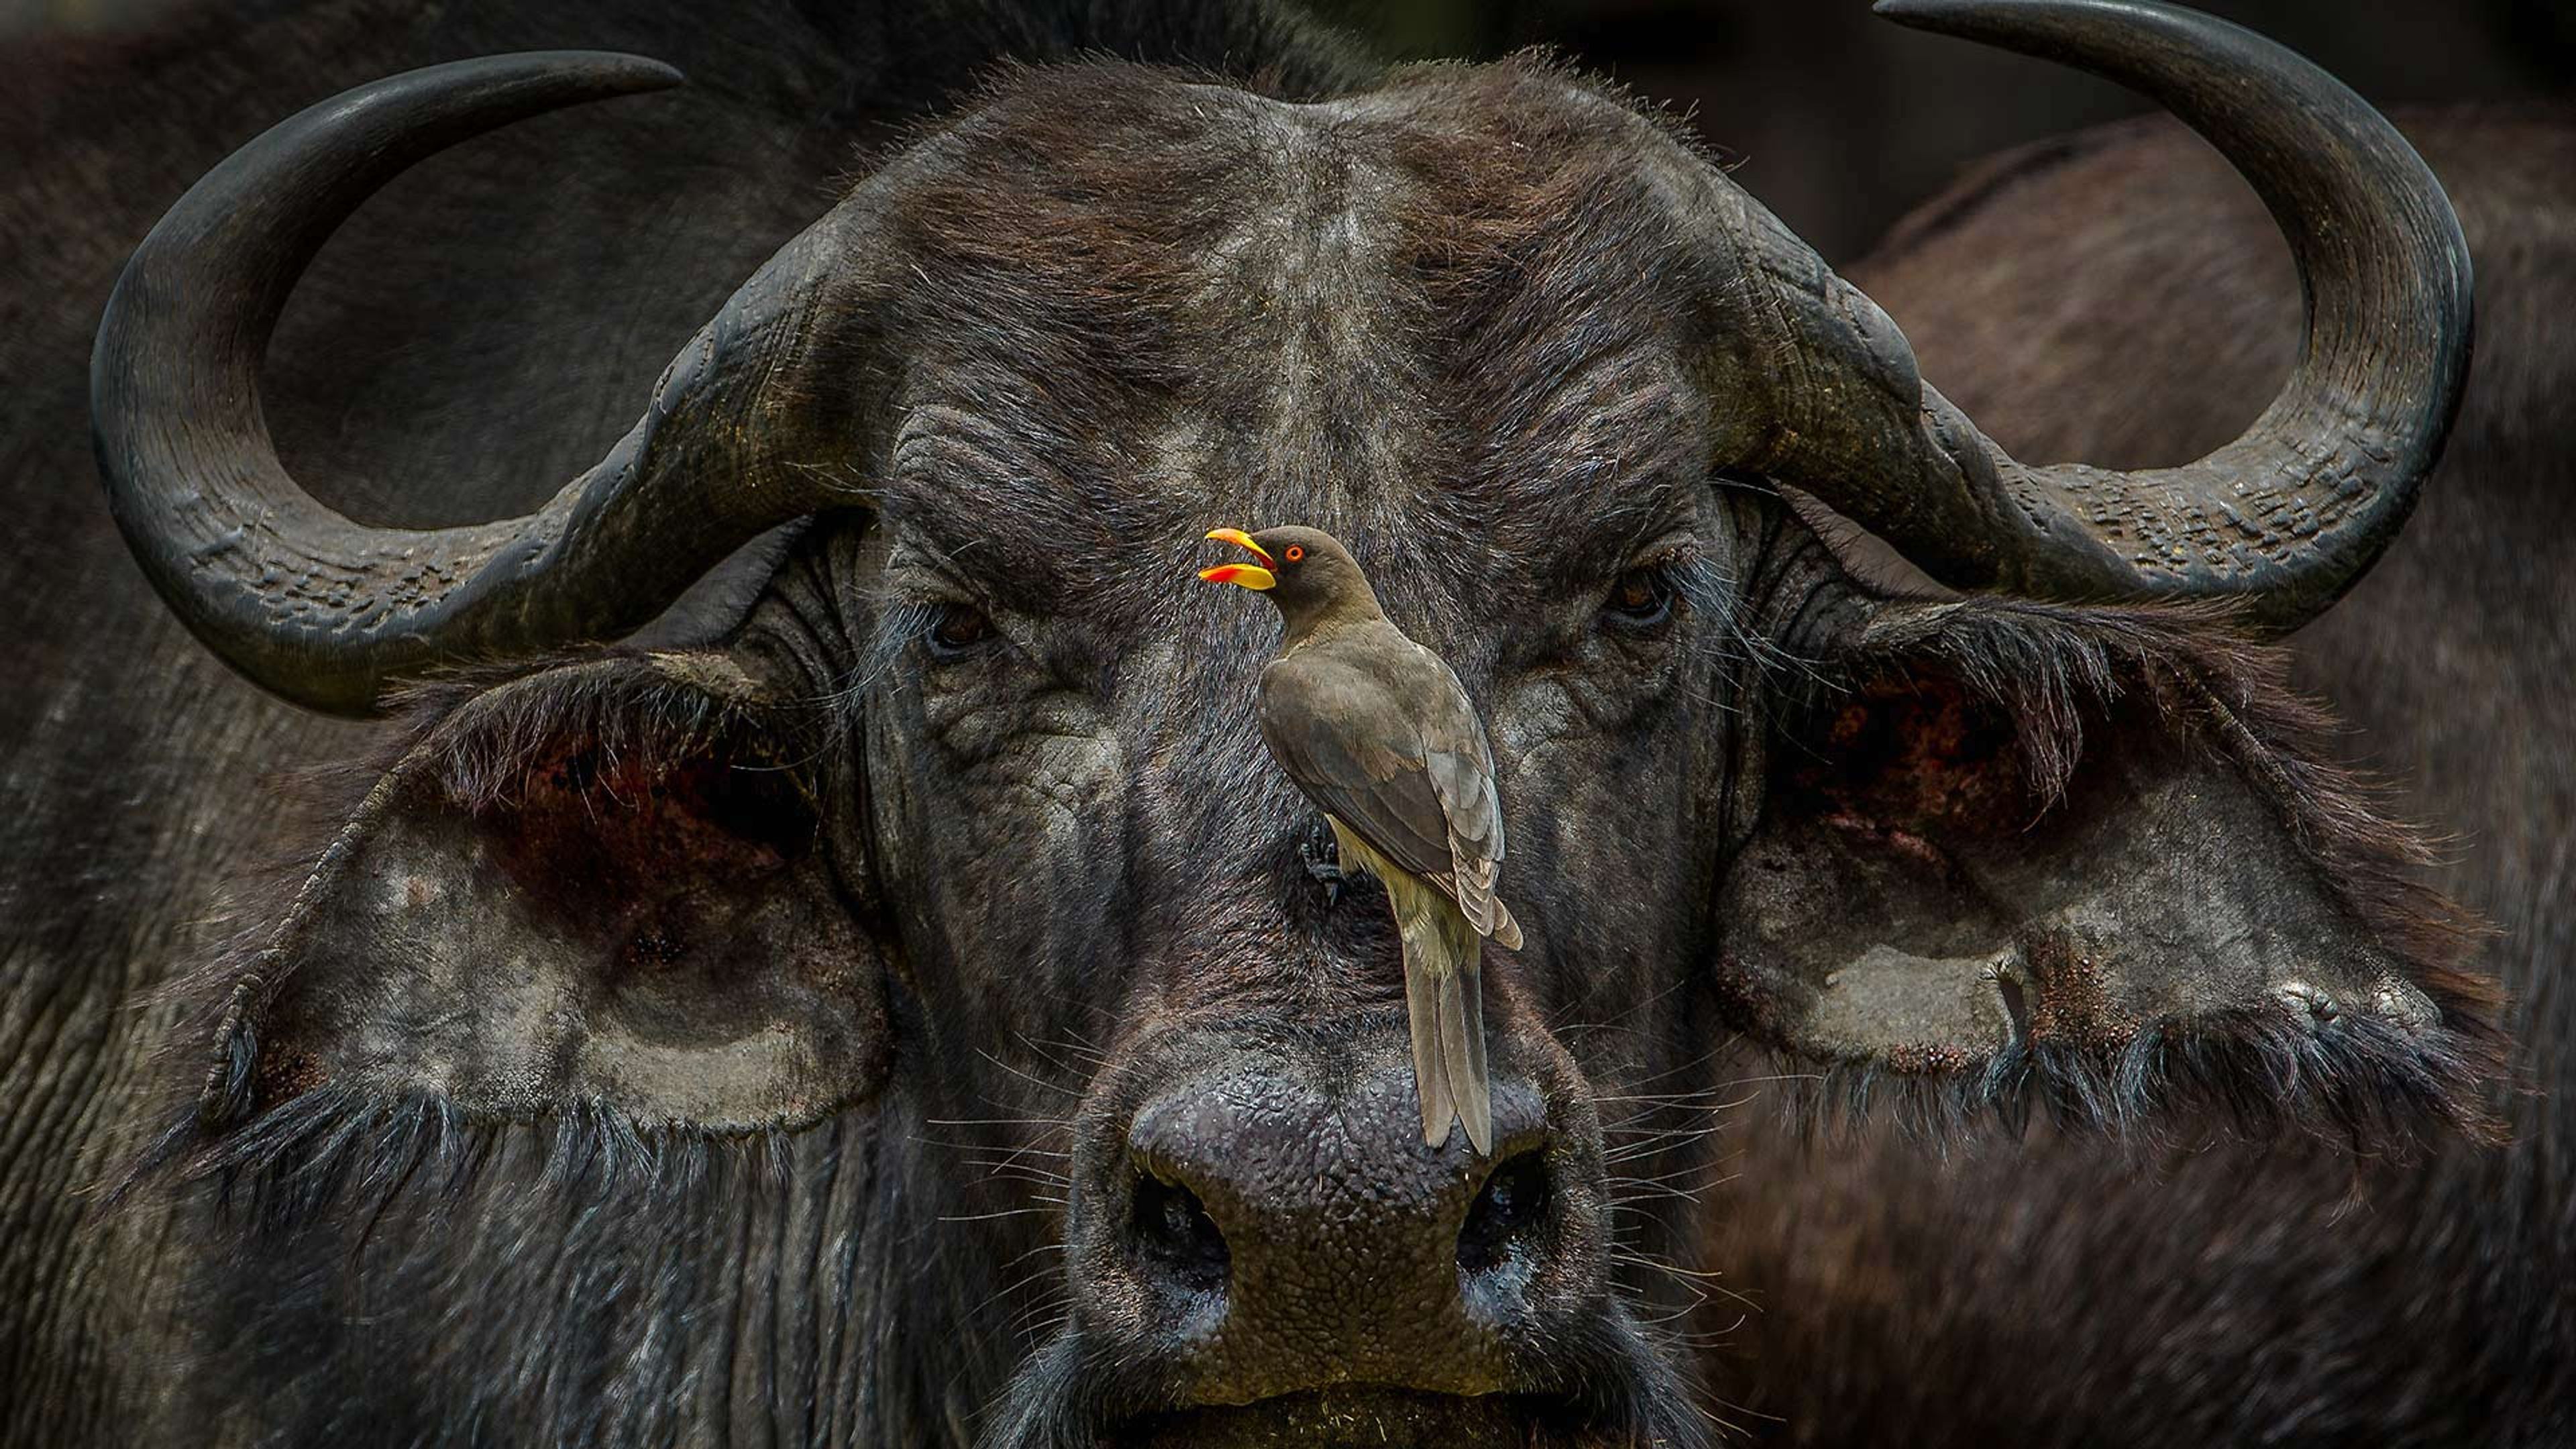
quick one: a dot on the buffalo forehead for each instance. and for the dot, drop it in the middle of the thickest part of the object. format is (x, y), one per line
(1303, 331)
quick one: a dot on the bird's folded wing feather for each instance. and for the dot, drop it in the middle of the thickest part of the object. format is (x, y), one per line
(1412, 775)
(1461, 766)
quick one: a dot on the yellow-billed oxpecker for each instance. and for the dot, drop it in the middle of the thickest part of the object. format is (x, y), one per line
(1377, 732)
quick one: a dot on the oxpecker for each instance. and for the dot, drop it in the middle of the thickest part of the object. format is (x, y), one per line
(1376, 731)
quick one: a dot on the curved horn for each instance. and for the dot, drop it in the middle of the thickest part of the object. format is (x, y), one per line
(2283, 519)
(327, 612)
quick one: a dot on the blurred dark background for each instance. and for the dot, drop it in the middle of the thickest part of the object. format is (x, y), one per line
(1839, 120)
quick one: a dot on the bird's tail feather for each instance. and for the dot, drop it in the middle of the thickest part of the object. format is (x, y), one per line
(1430, 1069)
(1462, 1039)
(1445, 998)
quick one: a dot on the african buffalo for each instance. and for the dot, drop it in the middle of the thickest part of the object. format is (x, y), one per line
(819, 955)
(2214, 1292)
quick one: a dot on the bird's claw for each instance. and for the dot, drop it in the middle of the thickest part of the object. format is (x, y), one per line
(1322, 857)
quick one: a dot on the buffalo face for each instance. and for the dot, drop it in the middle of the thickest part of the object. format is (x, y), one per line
(919, 1007)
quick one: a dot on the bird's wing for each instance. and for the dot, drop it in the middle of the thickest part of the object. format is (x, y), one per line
(1403, 762)
(1460, 762)
(1354, 750)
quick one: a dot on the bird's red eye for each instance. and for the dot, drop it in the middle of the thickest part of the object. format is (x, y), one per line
(1296, 551)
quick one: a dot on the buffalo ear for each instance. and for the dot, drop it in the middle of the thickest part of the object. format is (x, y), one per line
(2013, 851)
(599, 889)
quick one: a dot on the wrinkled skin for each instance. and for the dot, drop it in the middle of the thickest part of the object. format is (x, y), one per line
(1033, 877)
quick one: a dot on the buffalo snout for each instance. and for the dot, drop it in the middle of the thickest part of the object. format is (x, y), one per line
(1266, 1219)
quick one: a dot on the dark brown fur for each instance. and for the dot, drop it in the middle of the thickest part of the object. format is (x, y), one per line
(1077, 892)
(2119, 298)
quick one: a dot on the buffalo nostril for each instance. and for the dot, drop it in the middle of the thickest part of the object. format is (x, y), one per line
(1508, 1210)
(1172, 1231)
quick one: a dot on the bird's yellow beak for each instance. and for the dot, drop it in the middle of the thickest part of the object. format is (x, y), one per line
(1250, 576)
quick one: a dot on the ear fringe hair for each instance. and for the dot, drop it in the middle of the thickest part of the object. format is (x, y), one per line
(2369, 1082)
(342, 1154)
(2356, 1081)
(487, 735)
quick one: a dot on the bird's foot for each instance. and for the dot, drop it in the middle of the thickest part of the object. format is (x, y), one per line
(1322, 858)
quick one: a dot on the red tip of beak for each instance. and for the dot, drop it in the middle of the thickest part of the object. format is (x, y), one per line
(1250, 576)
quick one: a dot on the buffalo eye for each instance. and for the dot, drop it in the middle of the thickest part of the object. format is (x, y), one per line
(1641, 599)
(957, 630)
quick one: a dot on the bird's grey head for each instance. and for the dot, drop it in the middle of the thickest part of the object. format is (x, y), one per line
(1306, 572)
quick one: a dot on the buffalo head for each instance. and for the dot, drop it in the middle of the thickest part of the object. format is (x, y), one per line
(917, 1007)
